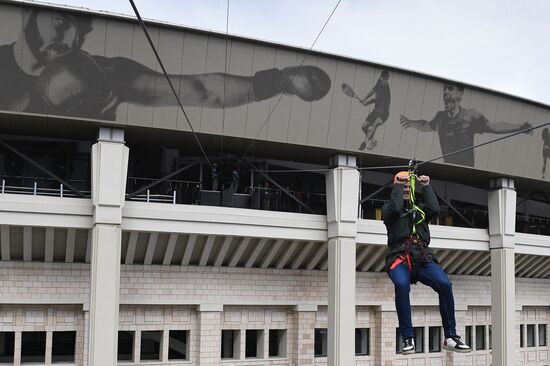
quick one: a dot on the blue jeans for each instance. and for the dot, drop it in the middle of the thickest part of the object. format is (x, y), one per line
(430, 274)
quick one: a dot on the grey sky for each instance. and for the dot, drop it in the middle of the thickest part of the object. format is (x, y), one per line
(498, 44)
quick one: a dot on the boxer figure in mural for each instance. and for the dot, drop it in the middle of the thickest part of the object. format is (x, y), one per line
(456, 126)
(380, 96)
(46, 71)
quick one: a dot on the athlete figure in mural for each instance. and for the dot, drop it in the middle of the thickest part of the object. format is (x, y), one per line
(456, 126)
(545, 150)
(411, 260)
(380, 96)
(45, 71)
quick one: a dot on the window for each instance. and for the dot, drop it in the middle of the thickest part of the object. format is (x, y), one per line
(362, 341)
(468, 336)
(434, 339)
(63, 346)
(150, 345)
(320, 342)
(125, 346)
(530, 335)
(230, 343)
(480, 337)
(521, 336)
(418, 340)
(277, 343)
(7, 345)
(33, 347)
(542, 335)
(490, 337)
(254, 343)
(177, 345)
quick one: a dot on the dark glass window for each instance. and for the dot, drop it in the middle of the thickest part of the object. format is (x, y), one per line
(542, 335)
(177, 345)
(33, 347)
(468, 336)
(480, 337)
(150, 345)
(230, 340)
(320, 342)
(125, 345)
(362, 341)
(530, 335)
(7, 345)
(253, 343)
(277, 343)
(434, 338)
(63, 346)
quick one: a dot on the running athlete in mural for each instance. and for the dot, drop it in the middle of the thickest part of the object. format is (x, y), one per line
(46, 71)
(380, 96)
(545, 150)
(457, 126)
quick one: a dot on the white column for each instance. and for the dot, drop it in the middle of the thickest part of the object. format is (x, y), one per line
(210, 334)
(502, 224)
(342, 184)
(109, 169)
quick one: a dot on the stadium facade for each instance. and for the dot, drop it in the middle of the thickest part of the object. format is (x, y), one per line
(122, 244)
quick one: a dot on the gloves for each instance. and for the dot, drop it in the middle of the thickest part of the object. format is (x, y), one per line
(70, 85)
(309, 83)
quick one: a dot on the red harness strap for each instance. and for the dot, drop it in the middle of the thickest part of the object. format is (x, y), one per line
(413, 240)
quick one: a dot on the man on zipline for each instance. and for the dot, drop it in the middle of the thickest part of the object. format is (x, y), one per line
(411, 260)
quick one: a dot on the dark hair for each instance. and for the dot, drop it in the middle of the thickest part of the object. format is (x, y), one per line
(385, 74)
(83, 24)
(460, 88)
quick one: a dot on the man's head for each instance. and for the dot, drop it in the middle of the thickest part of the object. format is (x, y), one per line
(403, 178)
(385, 75)
(50, 34)
(452, 94)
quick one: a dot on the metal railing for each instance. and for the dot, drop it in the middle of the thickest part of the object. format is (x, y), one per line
(39, 186)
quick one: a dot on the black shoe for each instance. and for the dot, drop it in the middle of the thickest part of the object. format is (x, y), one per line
(363, 145)
(454, 344)
(408, 346)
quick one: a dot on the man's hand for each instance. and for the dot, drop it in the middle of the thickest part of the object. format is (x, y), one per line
(424, 180)
(401, 178)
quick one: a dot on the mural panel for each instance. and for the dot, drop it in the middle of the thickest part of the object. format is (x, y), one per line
(74, 64)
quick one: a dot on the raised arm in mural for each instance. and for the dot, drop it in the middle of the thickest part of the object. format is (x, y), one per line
(456, 126)
(380, 96)
(45, 71)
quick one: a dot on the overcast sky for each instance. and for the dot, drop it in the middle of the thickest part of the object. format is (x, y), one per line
(497, 44)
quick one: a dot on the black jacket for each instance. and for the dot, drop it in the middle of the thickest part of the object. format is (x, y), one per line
(398, 218)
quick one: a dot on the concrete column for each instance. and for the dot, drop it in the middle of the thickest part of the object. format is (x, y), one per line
(109, 169)
(342, 184)
(305, 342)
(210, 334)
(502, 226)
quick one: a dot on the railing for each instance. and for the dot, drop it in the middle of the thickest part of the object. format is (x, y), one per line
(38, 186)
(190, 192)
(371, 209)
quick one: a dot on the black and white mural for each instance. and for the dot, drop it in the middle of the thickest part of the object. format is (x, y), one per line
(47, 71)
(82, 65)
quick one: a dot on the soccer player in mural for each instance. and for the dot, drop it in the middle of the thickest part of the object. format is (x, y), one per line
(380, 96)
(545, 150)
(46, 71)
(410, 259)
(456, 126)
